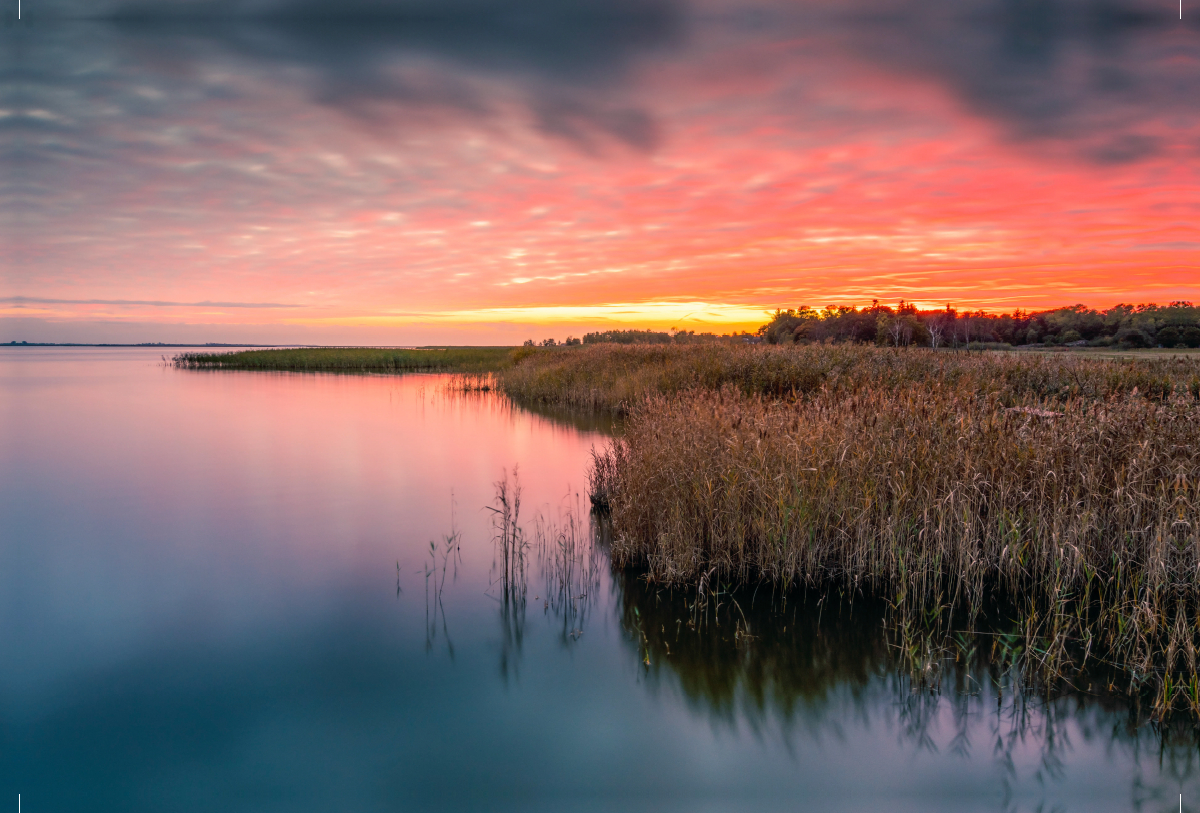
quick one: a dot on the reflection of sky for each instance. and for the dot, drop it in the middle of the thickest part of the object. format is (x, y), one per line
(198, 610)
(147, 503)
(391, 172)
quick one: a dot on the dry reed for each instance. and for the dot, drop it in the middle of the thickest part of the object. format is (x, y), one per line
(1059, 485)
(616, 378)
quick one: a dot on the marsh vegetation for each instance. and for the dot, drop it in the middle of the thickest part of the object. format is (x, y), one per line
(1066, 489)
(794, 661)
(351, 359)
(1062, 487)
(614, 378)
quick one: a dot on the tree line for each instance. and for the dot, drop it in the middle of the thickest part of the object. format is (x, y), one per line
(635, 337)
(1127, 326)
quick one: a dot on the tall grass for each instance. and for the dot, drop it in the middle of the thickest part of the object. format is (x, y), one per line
(615, 378)
(886, 482)
(352, 359)
(1069, 488)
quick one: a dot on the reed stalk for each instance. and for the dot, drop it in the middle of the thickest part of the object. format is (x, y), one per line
(616, 378)
(1068, 490)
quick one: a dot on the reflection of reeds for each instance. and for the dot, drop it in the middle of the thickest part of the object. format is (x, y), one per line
(472, 382)
(569, 561)
(435, 584)
(571, 566)
(816, 659)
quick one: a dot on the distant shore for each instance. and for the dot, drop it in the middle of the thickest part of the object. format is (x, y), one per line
(139, 344)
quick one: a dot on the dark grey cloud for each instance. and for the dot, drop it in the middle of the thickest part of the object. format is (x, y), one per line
(561, 54)
(1093, 75)
(1110, 81)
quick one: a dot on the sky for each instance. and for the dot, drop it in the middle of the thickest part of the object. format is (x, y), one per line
(485, 171)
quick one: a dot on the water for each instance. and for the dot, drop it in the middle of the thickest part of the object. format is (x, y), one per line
(213, 595)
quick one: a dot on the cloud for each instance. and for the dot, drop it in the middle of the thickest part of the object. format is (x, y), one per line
(1097, 77)
(560, 55)
(1109, 82)
(188, 149)
(36, 300)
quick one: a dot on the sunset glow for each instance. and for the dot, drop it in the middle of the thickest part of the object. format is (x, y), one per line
(696, 183)
(616, 405)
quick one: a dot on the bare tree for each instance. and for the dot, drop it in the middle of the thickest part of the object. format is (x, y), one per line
(935, 335)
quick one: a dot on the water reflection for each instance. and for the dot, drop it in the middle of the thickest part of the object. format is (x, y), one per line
(561, 559)
(571, 566)
(601, 422)
(510, 571)
(798, 669)
(797, 666)
(215, 595)
(450, 555)
(793, 665)
(758, 660)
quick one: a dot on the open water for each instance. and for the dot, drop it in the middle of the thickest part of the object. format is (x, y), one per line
(233, 591)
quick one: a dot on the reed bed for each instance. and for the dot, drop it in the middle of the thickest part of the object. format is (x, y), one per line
(352, 359)
(615, 378)
(1069, 490)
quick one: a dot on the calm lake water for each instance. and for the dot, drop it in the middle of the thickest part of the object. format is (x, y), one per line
(214, 596)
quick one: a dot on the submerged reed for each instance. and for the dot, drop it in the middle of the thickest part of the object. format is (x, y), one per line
(511, 544)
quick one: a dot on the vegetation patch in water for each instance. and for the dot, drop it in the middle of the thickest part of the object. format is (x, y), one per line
(1068, 489)
(353, 359)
